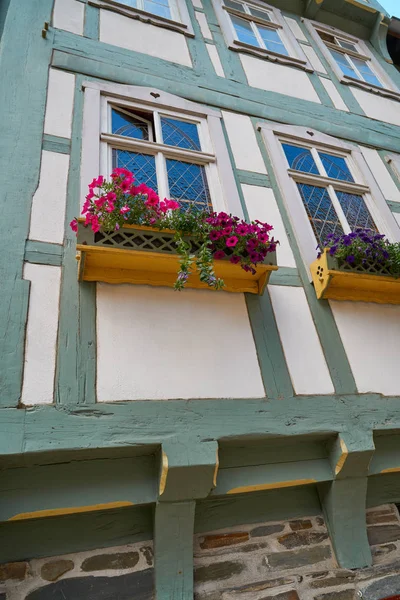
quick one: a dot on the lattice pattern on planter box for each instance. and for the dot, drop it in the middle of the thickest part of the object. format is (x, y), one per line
(371, 268)
(133, 239)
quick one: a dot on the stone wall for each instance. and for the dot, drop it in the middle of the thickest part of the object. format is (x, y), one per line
(286, 560)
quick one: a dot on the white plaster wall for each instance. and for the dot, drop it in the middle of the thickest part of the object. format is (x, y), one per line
(296, 29)
(202, 21)
(60, 102)
(334, 94)
(397, 217)
(313, 58)
(41, 333)
(381, 174)
(69, 15)
(377, 107)
(305, 359)
(48, 204)
(261, 204)
(278, 78)
(154, 343)
(214, 56)
(371, 337)
(243, 142)
(128, 33)
(197, 3)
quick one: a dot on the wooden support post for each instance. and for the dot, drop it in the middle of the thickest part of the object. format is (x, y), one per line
(173, 550)
(344, 499)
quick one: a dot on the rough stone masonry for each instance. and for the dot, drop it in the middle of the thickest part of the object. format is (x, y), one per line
(286, 560)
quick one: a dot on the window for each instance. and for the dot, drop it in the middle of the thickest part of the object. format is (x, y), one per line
(326, 186)
(175, 146)
(163, 150)
(173, 14)
(258, 29)
(351, 60)
(333, 201)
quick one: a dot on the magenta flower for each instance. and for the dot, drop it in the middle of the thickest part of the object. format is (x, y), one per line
(242, 229)
(232, 241)
(95, 224)
(172, 205)
(119, 172)
(227, 230)
(254, 257)
(100, 201)
(90, 195)
(85, 207)
(111, 196)
(125, 185)
(251, 244)
(124, 209)
(152, 200)
(110, 206)
(219, 255)
(96, 182)
(214, 235)
(235, 259)
(263, 237)
(74, 225)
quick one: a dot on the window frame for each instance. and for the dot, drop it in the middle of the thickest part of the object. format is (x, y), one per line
(364, 185)
(296, 56)
(388, 89)
(95, 158)
(181, 21)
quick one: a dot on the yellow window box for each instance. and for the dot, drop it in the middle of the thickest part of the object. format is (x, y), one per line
(348, 283)
(146, 256)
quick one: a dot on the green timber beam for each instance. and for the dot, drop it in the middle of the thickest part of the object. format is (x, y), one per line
(312, 8)
(344, 499)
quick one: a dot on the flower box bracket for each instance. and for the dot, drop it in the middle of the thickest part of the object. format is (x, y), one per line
(142, 255)
(345, 282)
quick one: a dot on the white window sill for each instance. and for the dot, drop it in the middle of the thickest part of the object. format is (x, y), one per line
(271, 56)
(143, 16)
(368, 87)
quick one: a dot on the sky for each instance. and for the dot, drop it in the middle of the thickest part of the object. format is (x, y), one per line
(392, 7)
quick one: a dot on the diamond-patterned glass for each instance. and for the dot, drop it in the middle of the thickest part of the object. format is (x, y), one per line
(336, 167)
(180, 133)
(143, 166)
(188, 183)
(128, 125)
(300, 159)
(320, 211)
(356, 211)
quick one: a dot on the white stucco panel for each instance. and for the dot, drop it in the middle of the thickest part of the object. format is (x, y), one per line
(305, 359)
(278, 78)
(202, 21)
(216, 61)
(370, 334)
(377, 107)
(296, 29)
(397, 217)
(382, 176)
(154, 343)
(242, 138)
(334, 94)
(48, 204)
(313, 58)
(261, 204)
(128, 33)
(69, 15)
(41, 333)
(60, 102)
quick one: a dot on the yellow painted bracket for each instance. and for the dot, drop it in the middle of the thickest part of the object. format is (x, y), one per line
(331, 282)
(148, 267)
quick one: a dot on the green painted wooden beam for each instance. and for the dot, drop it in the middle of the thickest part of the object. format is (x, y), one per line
(52, 536)
(253, 178)
(188, 469)
(286, 276)
(92, 21)
(312, 8)
(54, 143)
(43, 253)
(383, 489)
(344, 502)
(387, 454)
(173, 550)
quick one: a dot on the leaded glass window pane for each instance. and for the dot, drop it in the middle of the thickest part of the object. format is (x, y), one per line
(128, 125)
(244, 31)
(336, 167)
(347, 45)
(260, 14)
(143, 166)
(356, 211)
(272, 41)
(300, 159)
(234, 5)
(366, 72)
(320, 211)
(180, 133)
(160, 8)
(344, 64)
(188, 183)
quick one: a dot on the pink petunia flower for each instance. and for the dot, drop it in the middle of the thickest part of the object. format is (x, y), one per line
(110, 206)
(263, 238)
(100, 201)
(111, 196)
(227, 230)
(125, 185)
(124, 209)
(74, 225)
(90, 195)
(214, 235)
(219, 255)
(96, 182)
(242, 229)
(152, 200)
(95, 224)
(85, 207)
(235, 259)
(232, 241)
(172, 205)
